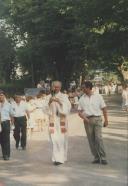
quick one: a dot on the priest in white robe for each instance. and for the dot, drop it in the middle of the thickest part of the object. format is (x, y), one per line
(59, 108)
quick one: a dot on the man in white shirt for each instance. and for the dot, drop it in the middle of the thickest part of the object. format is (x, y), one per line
(91, 107)
(5, 117)
(20, 111)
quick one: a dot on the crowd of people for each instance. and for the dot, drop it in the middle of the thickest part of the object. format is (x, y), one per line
(52, 108)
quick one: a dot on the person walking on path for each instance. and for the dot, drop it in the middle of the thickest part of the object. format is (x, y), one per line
(125, 97)
(20, 110)
(90, 110)
(59, 108)
(5, 118)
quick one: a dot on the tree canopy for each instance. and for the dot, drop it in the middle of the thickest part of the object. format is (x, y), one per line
(63, 39)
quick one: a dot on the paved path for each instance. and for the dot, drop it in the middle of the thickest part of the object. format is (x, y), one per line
(33, 167)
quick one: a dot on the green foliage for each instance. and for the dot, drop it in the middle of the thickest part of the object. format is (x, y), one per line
(7, 57)
(64, 39)
(54, 39)
(11, 89)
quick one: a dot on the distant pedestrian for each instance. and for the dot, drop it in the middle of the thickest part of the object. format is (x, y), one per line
(125, 97)
(39, 85)
(31, 107)
(90, 109)
(106, 90)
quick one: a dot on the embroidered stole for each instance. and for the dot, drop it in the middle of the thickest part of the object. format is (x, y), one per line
(62, 123)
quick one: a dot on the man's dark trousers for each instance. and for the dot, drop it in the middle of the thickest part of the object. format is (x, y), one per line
(20, 131)
(5, 138)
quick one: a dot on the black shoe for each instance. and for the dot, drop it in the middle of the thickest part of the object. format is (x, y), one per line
(23, 148)
(6, 158)
(104, 162)
(96, 161)
(17, 146)
(57, 163)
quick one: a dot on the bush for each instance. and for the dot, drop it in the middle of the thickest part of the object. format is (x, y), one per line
(16, 87)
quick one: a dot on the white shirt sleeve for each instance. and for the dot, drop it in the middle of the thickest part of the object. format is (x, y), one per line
(26, 106)
(102, 102)
(80, 104)
(11, 110)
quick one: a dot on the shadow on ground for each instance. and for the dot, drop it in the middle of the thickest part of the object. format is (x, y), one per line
(33, 167)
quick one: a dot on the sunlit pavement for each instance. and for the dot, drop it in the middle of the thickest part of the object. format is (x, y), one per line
(33, 167)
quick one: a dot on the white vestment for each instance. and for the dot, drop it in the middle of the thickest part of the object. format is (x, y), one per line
(58, 138)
